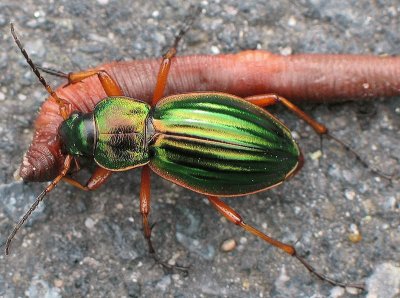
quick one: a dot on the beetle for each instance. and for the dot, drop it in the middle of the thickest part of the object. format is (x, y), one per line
(212, 143)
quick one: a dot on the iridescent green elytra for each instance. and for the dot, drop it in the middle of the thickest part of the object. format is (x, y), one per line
(212, 143)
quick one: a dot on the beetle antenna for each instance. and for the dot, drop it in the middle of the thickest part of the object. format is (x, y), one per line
(67, 164)
(64, 106)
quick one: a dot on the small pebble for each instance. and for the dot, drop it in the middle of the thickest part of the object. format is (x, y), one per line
(336, 292)
(316, 155)
(90, 223)
(390, 203)
(22, 97)
(246, 284)
(215, 50)
(39, 14)
(58, 283)
(350, 194)
(228, 245)
(286, 51)
(352, 291)
(354, 235)
(292, 21)
(243, 240)
(355, 238)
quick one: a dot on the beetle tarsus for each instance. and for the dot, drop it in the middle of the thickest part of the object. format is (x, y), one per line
(148, 239)
(195, 11)
(165, 265)
(323, 277)
(149, 243)
(360, 159)
(169, 267)
(153, 254)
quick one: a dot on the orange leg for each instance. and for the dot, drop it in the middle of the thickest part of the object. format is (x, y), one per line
(234, 217)
(145, 210)
(145, 205)
(109, 85)
(98, 178)
(163, 71)
(162, 76)
(271, 99)
(266, 100)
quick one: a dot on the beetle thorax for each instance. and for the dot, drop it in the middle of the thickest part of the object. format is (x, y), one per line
(78, 134)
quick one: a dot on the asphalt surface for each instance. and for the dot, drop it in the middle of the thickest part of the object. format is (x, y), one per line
(344, 219)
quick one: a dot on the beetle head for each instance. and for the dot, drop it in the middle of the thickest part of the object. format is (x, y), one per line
(77, 134)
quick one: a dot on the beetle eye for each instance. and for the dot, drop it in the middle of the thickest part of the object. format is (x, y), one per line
(77, 134)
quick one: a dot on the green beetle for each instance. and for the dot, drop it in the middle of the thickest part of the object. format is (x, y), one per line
(213, 143)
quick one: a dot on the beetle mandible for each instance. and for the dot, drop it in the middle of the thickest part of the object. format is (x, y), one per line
(212, 143)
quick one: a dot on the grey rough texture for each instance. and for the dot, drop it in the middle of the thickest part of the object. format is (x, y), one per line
(91, 244)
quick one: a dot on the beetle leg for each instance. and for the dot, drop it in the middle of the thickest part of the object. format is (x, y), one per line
(163, 71)
(271, 99)
(234, 217)
(98, 178)
(145, 210)
(162, 76)
(109, 85)
(145, 206)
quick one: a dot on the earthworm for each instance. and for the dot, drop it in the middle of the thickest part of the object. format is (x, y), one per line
(301, 77)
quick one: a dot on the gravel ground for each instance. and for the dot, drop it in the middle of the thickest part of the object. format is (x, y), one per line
(90, 244)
